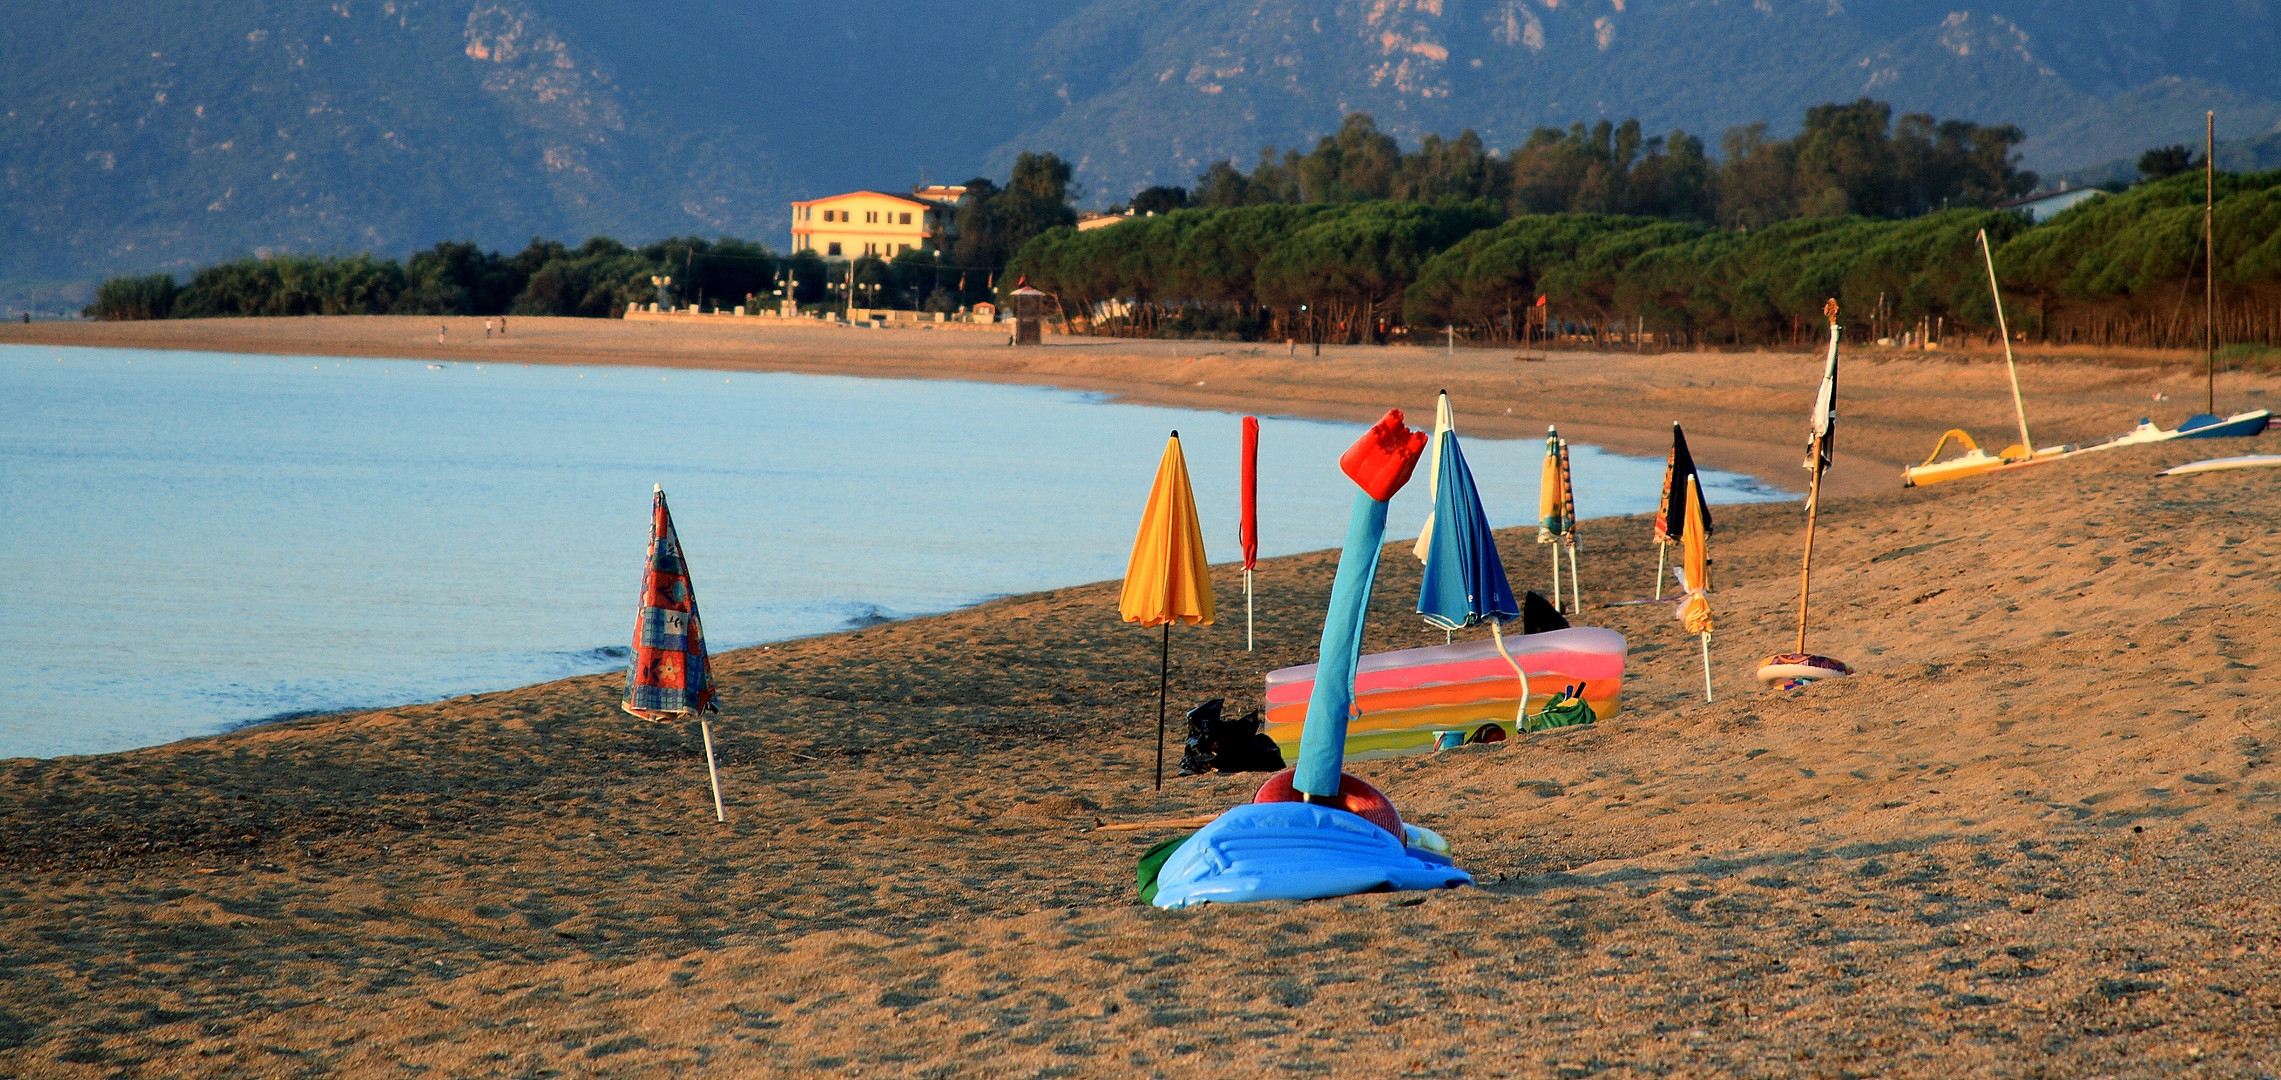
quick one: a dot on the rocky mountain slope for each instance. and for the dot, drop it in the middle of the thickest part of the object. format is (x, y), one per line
(145, 135)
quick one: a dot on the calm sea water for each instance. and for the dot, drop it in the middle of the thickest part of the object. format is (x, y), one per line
(196, 541)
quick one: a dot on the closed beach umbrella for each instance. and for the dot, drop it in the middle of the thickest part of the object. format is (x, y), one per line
(1556, 508)
(1465, 583)
(670, 676)
(1695, 574)
(1671, 509)
(1167, 580)
(1247, 525)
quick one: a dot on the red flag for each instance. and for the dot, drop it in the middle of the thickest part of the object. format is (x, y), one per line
(1540, 299)
(1247, 529)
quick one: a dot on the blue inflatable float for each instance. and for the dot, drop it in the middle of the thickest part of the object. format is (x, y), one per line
(1295, 851)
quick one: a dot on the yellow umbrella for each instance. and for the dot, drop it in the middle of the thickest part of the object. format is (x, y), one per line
(1695, 577)
(1168, 580)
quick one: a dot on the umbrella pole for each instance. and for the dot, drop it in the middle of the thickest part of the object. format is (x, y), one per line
(1662, 548)
(712, 770)
(1706, 667)
(1556, 575)
(1520, 718)
(1806, 568)
(1163, 687)
(1247, 640)
(1575, 587)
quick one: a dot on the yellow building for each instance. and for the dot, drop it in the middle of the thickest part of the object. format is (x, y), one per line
(874, 223)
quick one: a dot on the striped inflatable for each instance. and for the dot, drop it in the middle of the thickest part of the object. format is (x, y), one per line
(1402, 698)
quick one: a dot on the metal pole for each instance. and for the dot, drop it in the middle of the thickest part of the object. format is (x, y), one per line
(1662, 548)
(1556, 575)
(1247, 624)
(2005, 331)
(1706, 668)
(2210, 254)
(1806, 569)
(1575, 587)
(1163, 685)
(711, 770)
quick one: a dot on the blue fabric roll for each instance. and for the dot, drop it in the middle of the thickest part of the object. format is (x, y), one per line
(1295, 851)
(1322, 742)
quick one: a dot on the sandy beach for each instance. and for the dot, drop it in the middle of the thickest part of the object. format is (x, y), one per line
(2032, 837)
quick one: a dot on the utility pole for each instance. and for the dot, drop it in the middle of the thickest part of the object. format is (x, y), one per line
(2210, 257)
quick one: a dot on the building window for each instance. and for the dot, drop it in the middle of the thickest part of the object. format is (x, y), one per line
(871, 217)
(901, 248)
(834, 250)
(906, 218)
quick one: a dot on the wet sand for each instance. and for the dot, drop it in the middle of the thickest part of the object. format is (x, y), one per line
(2033, 837)
(1743, 410)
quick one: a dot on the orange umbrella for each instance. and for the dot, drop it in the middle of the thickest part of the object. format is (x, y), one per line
(1168, 580)
(1695, 575)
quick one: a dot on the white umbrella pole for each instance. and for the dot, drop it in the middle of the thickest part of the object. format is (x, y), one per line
(1247, 640)
(711, 770)
(1521, 717)
(1556, 575)
(1706, 667)
(1662, 548)
(1575, 587)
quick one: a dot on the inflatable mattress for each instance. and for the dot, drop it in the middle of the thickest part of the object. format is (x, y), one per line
(1402, 698)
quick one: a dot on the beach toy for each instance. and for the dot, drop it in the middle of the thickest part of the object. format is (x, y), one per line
(1356, 796)
(1315, 831)
(1379, 463)
(1295, 851)
(1796, 669)
(1401, 698)
(1448, 740)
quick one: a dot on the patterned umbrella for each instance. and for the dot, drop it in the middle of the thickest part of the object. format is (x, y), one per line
(669, 675)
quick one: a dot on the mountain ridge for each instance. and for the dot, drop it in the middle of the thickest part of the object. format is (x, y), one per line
(163, 135)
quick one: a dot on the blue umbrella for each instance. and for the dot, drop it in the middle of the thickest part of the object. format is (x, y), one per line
(1465, 583)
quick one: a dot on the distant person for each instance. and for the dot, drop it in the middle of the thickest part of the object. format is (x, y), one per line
(439, 333)
(27, 318)
(502, 326)
(486, 329)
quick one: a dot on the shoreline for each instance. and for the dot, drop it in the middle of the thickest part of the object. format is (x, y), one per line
(1744, 412)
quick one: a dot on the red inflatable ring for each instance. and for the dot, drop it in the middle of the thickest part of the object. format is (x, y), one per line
(1355, 796)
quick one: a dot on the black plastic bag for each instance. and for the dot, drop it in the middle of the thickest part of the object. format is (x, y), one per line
(1538, 615)
(1201, 752)
(1243, 747)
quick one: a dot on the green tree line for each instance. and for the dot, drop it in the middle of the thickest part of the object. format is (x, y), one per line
(600, 277)
(1847, 159)
(2115, 270)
